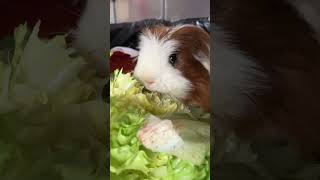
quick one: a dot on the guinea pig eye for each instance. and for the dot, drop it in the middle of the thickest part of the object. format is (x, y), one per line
(172, 59)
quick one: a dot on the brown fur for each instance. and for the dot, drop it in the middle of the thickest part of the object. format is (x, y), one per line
(272, 33)
(192, 41)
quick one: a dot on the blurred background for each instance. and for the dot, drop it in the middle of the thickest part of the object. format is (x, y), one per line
(57, 16)
(135, 10)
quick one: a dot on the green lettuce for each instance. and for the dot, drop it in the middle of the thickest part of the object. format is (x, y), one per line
(129, 159)
(52, 119)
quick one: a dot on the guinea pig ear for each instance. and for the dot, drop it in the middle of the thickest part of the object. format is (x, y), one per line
(125, 50)
(203, 59)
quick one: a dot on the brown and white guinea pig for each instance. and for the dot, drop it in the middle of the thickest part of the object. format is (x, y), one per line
(176, 61)
(266, 78)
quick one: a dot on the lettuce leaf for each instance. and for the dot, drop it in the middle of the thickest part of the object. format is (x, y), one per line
(129, 107)
(52, 118)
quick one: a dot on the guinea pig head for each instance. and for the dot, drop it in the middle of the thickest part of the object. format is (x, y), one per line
(176, 61)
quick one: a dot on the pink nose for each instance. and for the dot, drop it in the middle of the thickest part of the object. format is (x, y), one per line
(149, 81)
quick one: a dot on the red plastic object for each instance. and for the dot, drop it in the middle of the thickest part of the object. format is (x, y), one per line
(122, 61)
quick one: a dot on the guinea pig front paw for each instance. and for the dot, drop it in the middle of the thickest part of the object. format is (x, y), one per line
(159, 135)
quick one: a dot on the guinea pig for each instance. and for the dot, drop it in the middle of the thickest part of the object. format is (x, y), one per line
(175, 60)
(266, 74)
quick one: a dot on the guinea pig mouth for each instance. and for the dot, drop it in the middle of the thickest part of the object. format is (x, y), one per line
(145, 90)
(149, 90)
(150, 87)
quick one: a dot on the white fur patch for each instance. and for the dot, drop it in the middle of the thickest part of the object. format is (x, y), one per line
(232, 72)
(153, 65)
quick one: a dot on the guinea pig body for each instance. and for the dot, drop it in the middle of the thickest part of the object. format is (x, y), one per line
(176, 61)
(276, 41)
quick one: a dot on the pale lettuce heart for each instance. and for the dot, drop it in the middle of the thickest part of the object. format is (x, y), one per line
(47, 65)
(40, 71)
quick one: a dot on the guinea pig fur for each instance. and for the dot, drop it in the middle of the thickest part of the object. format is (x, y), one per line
(266, 78)
(176, 61)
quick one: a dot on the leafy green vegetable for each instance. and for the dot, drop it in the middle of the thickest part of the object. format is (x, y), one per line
(52, 120)
(129, 159)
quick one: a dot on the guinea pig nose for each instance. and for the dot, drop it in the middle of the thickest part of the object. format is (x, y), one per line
(149, 81)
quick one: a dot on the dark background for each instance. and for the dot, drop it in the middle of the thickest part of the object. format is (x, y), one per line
(57, 16)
